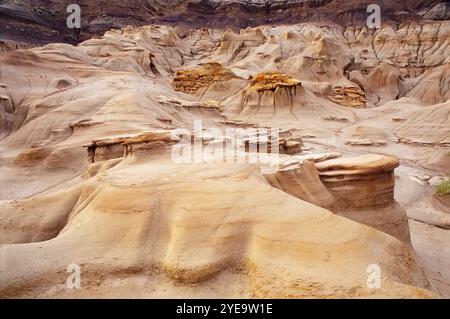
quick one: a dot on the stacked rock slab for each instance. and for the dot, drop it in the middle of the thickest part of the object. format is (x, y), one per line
(363, 182)
(192, 80)
(120, 146)
(284, 143)
(363, 189)
(348, 96)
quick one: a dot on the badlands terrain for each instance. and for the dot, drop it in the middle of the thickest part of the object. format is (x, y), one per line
(88, 176)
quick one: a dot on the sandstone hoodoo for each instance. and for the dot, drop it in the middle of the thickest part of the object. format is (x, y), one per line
(223, 149)
(363, 182)
(363, 191)
(193, 80)
(270, 90)
(300, 178)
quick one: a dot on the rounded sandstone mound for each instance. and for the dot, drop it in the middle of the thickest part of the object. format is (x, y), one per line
(162, 233)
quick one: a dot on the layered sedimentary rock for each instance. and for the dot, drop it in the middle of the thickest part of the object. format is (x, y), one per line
(6, 111)
(280, 143)
(9, 45)
(120, 146)
(47, 20)
(364, 182)
(433, 86)
(363, 135)
(193, 80)
(271, 81)
(300, 178)
(381, 84)
(222, 229)
(363, 189)
(348, 96)
(440, 11)
(271, 91)
(407, 48)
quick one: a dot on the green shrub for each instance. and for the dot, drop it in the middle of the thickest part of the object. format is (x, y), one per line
(443, 188)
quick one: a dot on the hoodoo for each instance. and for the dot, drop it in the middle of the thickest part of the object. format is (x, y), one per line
(363, 182)
(270, 90)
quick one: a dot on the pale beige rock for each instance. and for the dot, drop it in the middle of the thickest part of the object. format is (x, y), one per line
(301, 179)
(428, 125)
(363, 189)
(146, 222)
(363, 135)
(433, 86)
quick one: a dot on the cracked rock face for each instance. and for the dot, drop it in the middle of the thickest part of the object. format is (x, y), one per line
(90, 148)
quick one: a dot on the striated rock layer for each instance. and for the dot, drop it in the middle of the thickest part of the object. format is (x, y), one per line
(38, 21)
(167, 233)
(365, 182)
(191, 81)
(363, 189)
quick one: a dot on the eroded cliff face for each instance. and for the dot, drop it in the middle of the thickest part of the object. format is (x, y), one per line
(38, 22)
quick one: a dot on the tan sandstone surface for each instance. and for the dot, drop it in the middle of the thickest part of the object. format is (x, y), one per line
(88, 177)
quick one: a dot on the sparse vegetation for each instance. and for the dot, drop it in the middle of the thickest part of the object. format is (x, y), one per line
(443, 189)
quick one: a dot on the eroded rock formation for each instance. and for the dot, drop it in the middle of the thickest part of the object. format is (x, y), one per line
(47, 20)
(188, 228)
(191, 81)
(120, 146)
(363, 189)
(270, 90)
(429, 125)
(364, 182)
(348, 96)
(6, 111)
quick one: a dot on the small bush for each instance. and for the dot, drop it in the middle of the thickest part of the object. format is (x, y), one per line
(443, 188)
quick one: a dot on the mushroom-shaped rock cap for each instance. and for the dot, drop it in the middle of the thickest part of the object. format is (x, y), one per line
(366, 164)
